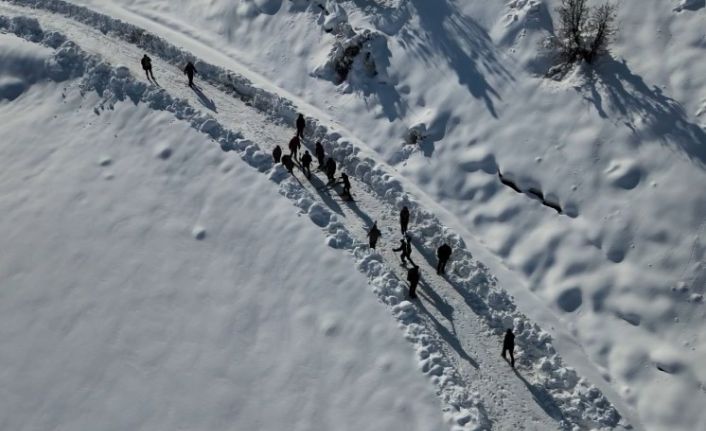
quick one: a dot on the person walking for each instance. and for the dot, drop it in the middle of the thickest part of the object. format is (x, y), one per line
(373, 235)
(294, 145)
(306, 164)
(277, 153)
(331, 170)
(147, 67)
(413, 278)
(406, 249)
(509, 346)
(301, 125)
(346, 186)
(320, 155)
(404, 219)
(288, 163)
(190, 70)
(443, 253)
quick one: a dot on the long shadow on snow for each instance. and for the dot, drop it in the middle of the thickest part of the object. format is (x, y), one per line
(664, 119)
(465, 44)
(203, 99)
(542, 397)
(450, 338)
(322, 190)
(358, 212)
(478, 306)
(475, 302)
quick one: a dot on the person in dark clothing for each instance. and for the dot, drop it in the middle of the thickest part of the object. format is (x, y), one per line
(301, 124)
(346, 185)
(331, 169)
(509, 346)
(320, 155)
(443, 253)
(189, 70)
(147, 67)
(413, 278)
(406, 249)
(373, 235)
(277, 153)
(404, 219)
(294, 145)
(306, 164)
(288, 163)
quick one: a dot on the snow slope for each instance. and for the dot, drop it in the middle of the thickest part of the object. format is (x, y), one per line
(151, 281)
(544, 394)
(620, 148)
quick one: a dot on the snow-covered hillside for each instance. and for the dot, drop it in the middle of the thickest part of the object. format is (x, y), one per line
(149, 281)
(424, 102)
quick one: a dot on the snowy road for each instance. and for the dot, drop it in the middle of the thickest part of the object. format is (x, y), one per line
(463, 351)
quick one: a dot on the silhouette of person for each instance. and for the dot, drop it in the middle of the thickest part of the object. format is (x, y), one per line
(406, 249)
(413, 278)
(147, 67)
(294, 145)
(346, 185)
(277, 153)
(509, 346)
(443, 253)
(301, 124)
(404, 219)
(373, 235)
(288, 163)
(189, 70)
(331, 169)
(320, 155)
(306, 164)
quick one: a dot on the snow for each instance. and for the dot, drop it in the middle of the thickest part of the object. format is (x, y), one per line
(152, 292)
(614, 280)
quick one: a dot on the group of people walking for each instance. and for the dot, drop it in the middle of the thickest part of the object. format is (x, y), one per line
(443, 253)
(328, 165)
(189, 70)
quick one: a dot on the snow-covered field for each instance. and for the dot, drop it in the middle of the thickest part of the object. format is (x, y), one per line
(617, 279)
(152, 281)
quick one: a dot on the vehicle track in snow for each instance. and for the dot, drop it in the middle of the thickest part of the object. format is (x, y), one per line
(452, 327)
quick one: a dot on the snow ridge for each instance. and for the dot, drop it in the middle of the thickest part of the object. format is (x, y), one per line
(581, 404)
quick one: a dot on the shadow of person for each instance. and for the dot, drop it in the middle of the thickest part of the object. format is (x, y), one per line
(450, 338)
(322, 190)
(203, 99)
(542, 398)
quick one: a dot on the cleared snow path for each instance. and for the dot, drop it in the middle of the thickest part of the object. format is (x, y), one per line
(453, 325)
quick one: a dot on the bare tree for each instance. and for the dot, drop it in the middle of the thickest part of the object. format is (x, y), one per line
(602, 27)
(584, 32)
(572, 14)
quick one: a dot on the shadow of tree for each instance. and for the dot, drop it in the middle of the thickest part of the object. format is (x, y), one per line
(465, 44)
(659, 116)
